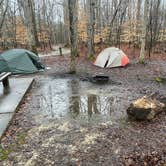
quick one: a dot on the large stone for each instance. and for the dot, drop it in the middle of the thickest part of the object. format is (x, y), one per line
(145, 108)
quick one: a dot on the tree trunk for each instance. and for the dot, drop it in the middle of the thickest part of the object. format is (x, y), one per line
(66, 22)
(72, 5)
(138, 18)
(90, 26)
(29, 20)
(138, 14)
(144, 29)
(4, 5)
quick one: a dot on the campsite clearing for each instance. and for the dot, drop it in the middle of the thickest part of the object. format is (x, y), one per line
(41, 136)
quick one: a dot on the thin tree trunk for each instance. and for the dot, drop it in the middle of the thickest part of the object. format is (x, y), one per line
(90, 26)
(144, 29)
(3, 13)
(72, 4)
(138, 14)
(29, 20)
(113, 19)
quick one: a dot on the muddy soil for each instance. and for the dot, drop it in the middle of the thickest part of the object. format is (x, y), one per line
(67, 120)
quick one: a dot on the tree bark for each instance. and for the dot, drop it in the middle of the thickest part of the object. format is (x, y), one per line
(30, 22)
(3, 12)
(144, 29)
(138, 14)
(72, 5)
(90, 26)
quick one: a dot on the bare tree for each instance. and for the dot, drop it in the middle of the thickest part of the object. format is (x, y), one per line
(66, 16)
(47, 23)
(117, 5)
(90, 26)
(4, 6)
(3, 11)
(144, 29)
(30, 22)
(72, 5)
(154, 24)
(138, 14)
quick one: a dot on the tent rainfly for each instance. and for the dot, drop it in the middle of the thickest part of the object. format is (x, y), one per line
(111, 57)
(20, 61)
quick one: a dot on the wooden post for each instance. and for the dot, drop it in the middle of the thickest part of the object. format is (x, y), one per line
(5, 83)
(60, 51)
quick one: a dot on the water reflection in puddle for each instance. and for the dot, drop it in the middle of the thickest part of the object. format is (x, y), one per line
(82, 101)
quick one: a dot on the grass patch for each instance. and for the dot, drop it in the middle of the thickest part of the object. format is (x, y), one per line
(4, 153)
(160, 79)
(20, 140)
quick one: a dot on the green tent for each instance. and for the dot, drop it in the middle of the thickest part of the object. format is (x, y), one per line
(19, 61)
(3, 65)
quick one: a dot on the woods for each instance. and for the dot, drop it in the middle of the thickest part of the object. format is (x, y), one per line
(40, 24)
(83, 82)
(72, 4)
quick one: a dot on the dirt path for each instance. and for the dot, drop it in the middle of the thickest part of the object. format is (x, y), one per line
(55, 51)
(35, 138)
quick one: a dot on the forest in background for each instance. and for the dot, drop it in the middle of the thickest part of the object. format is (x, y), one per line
(44, 23)
(64, 108)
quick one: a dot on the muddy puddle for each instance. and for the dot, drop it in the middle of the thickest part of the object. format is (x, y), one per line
(83, 101)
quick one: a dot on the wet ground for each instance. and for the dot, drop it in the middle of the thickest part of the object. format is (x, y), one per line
(83, 101)
(67, 120)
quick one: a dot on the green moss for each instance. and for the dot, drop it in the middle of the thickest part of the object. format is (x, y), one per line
(19, 141)
(4, 153)
(160, 79)
(142, 61)
(91, 57)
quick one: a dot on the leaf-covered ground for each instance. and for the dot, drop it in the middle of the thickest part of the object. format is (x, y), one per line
(29, 141)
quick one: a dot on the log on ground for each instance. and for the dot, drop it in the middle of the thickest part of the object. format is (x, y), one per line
(145, 108)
